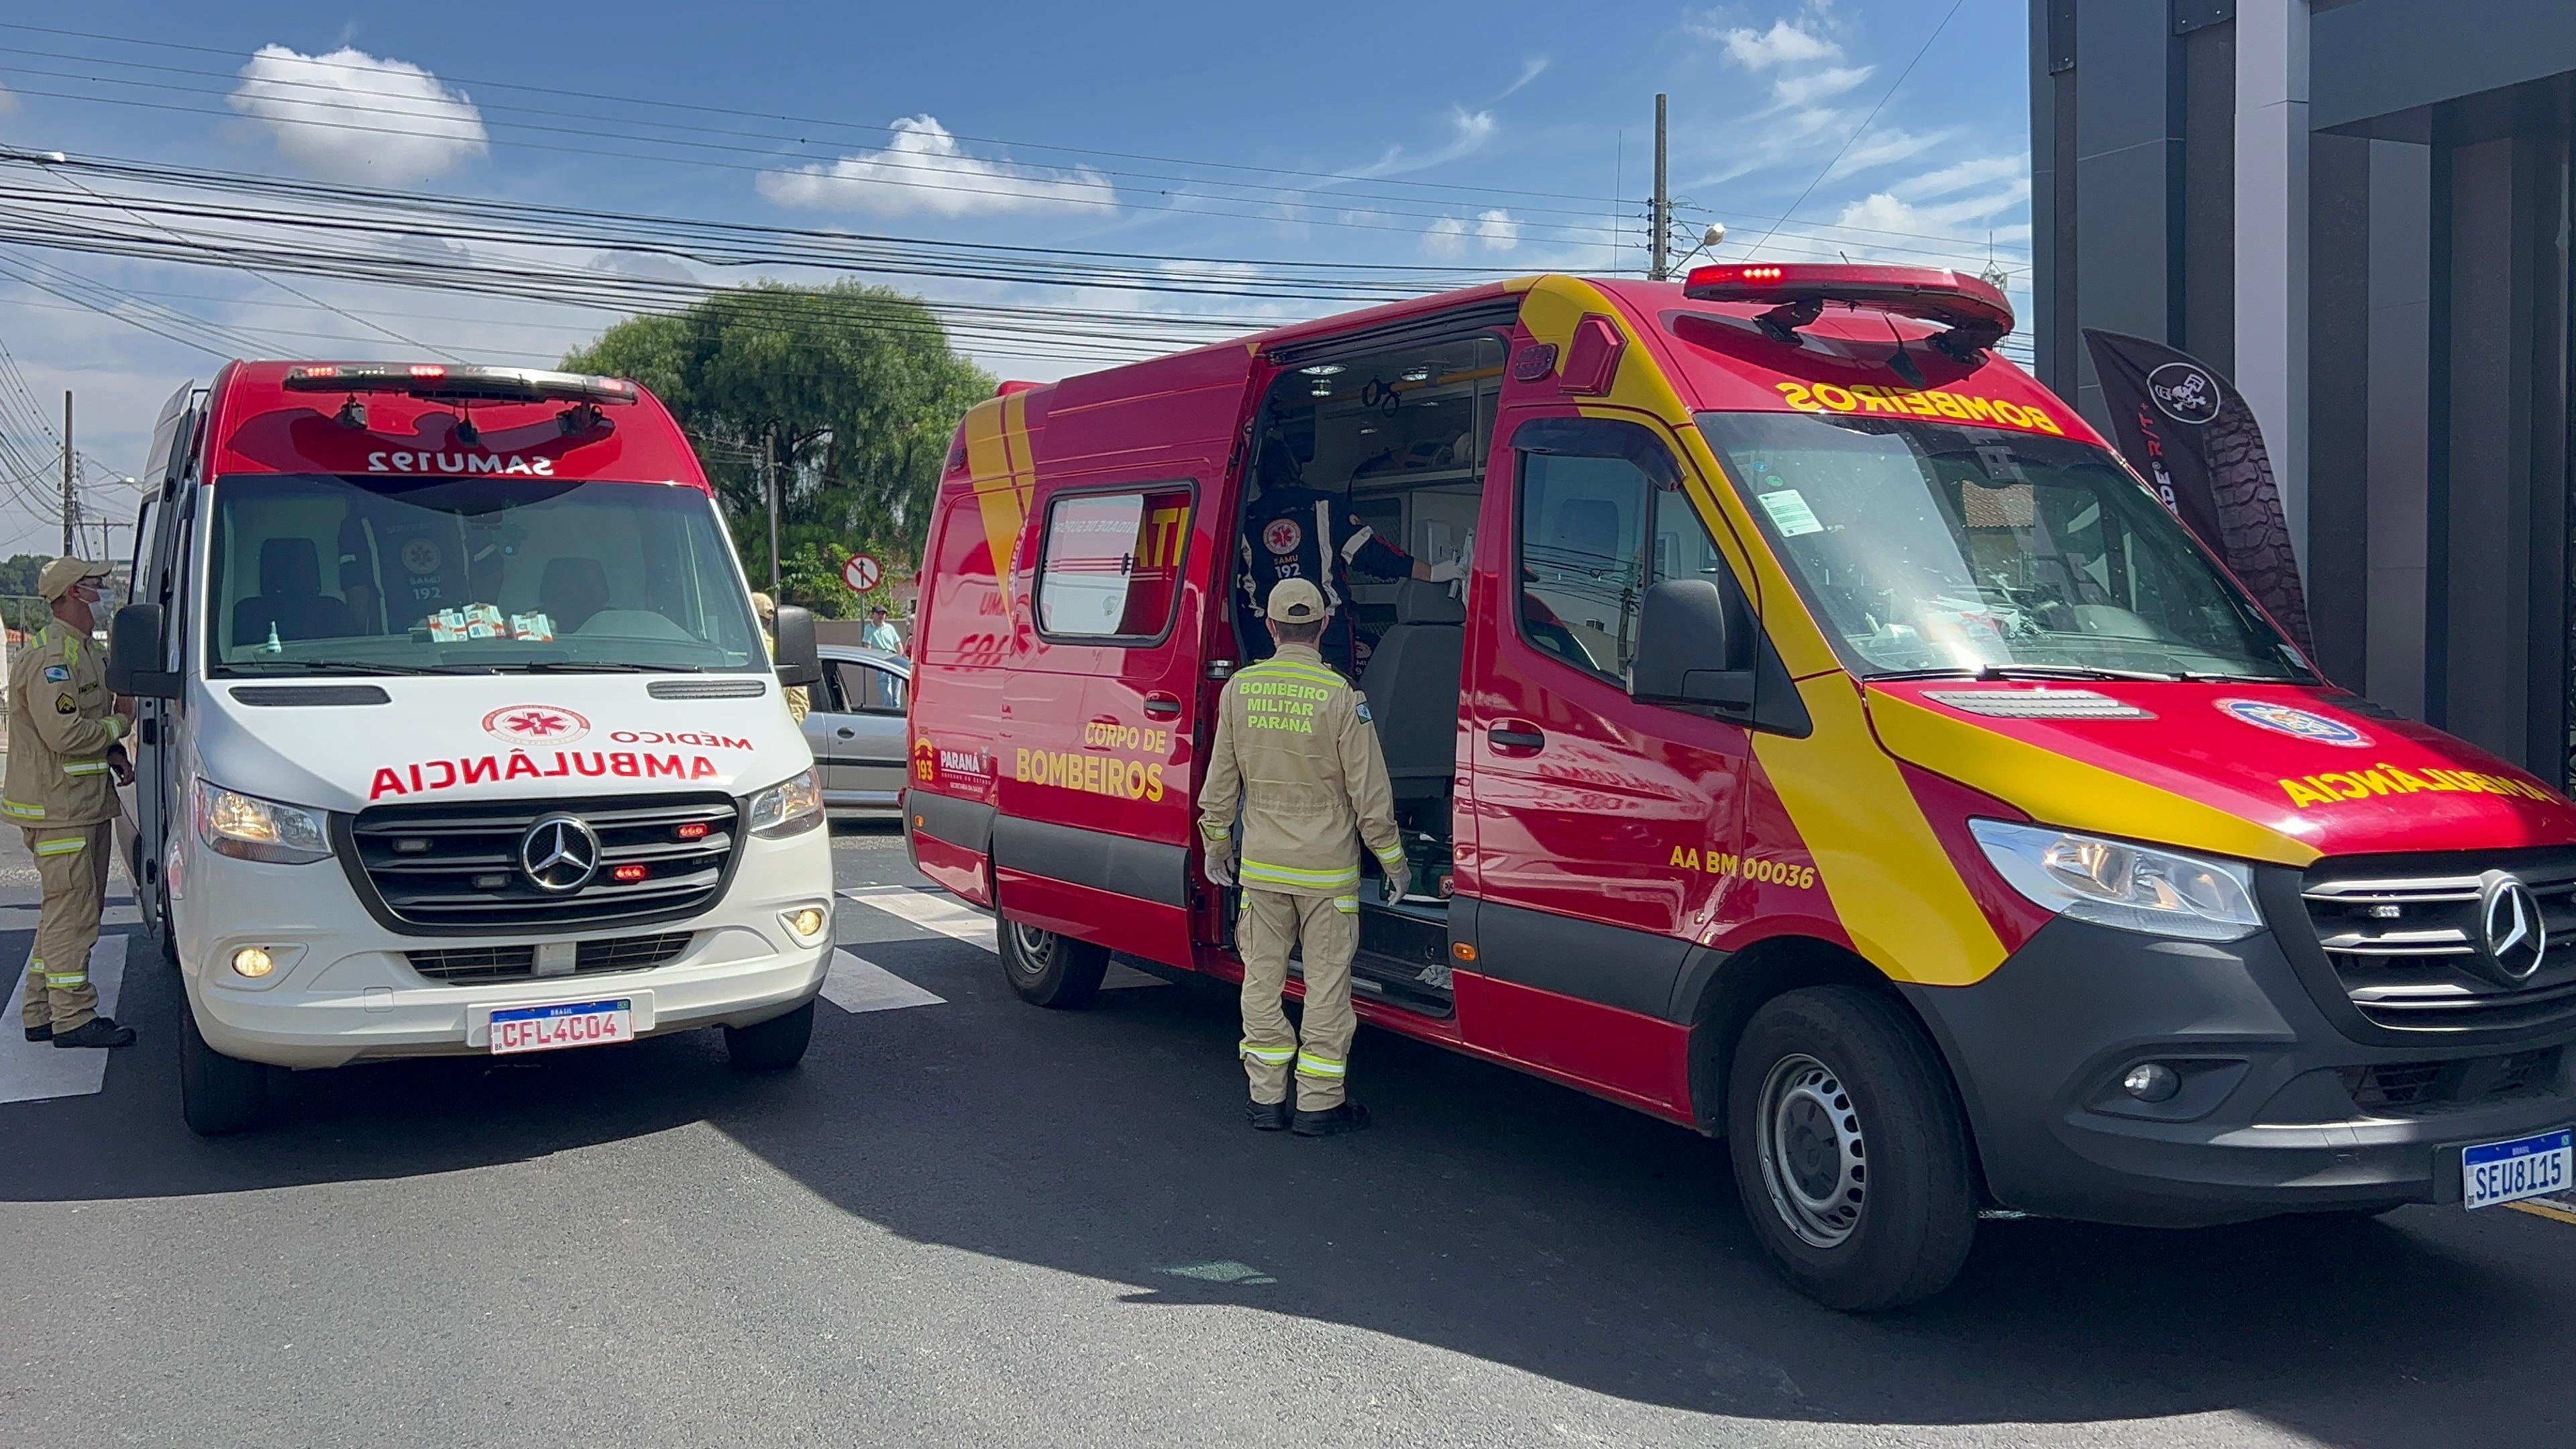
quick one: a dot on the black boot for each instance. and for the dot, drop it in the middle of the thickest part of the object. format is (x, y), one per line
(41, 1033)
(1332, 1121)
(98, 1031)
(1268, 1116)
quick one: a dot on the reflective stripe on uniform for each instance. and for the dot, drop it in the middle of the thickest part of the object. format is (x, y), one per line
(1256, 873)
(1274, 1056)
(1216, 832)
(59, 980)
(1323, 532)
(61, 847)
(1347, 905)
(85, 767)
(1311, 1065)
(1352, 545)
(18, 811)
(1392, 855)
(1269, 669)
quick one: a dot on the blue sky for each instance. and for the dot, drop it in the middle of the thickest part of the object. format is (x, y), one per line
(1221, 141)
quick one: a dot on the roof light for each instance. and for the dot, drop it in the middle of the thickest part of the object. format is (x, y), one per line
(441, 383)
(1975, 312)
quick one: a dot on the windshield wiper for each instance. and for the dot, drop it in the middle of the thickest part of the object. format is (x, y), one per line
(587, 666)
(351, 666)
(2032, 671)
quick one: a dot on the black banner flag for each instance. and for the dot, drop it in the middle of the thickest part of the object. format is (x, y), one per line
(2191, 436)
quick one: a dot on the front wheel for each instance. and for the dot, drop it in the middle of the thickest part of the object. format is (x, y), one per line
(217, 1093)
(773, 1045)
(1849, 1151)
(1048, 969)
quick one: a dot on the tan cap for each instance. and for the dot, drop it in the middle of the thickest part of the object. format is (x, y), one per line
(59, 576)
(1295, 601)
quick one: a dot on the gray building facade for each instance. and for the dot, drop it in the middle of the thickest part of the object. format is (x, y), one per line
(2360, 211)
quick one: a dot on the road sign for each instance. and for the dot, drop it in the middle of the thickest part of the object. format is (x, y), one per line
(862, 573)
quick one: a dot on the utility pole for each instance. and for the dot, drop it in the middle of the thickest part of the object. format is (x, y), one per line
(71, 503)
(769, 485)
(1659, 266)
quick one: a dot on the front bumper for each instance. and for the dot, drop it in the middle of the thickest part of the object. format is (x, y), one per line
(345, 990)
(2266, 1120)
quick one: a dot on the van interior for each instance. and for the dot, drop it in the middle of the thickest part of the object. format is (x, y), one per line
(1402, 433)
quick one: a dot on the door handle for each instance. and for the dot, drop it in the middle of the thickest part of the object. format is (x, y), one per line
(846, 733)
(1516, 735)
(1159, 705)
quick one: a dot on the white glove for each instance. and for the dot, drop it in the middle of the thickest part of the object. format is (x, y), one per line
(1219, 868)
(1448, 570)
(1399, 880)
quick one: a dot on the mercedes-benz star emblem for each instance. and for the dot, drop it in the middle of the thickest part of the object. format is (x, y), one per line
(559, 853)
(2512, 938)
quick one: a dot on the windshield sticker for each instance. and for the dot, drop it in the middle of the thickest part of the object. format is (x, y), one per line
(535, 724)
(1789, 511)
(1916, 402)
(2387, 779)
(2282, 719)
(432, 775)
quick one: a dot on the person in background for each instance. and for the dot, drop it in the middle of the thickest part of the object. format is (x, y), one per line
(64, 733)
(880, 633)
(1291, 531)
(1293, 739)
(800, 700)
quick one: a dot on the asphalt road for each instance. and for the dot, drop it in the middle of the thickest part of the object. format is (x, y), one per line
(972, 1222)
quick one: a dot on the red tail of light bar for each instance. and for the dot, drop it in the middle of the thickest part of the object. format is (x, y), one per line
(439, 382)
(1974, 311)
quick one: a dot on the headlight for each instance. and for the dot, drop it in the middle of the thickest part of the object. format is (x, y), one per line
(2114, 883)
(790, 807)
(254, 829)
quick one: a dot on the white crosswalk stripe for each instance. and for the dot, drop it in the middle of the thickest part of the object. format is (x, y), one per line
(947, 915)
(959, 921)
(33, 1071)
(856, 984)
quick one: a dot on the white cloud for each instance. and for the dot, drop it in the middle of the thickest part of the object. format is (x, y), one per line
(1468, 132)
(8, 102)
(1531, 69)
(351, 116)
(1977, 171)
(1817, 85)
(1448, 237)
(923, 169)
(1787, 42)
(1885, 147)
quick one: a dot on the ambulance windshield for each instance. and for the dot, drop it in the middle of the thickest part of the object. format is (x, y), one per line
(317, 574)
(1937, 549)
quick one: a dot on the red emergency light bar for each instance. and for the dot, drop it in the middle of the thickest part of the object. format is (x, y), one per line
(438, 382)
(1972, 308)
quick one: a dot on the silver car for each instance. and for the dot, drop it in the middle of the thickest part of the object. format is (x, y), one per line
(856, 729)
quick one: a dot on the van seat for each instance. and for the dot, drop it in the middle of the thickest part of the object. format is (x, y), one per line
(290, 598)
(1412, 688)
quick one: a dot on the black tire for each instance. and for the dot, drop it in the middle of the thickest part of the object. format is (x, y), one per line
(1050, 970)
(1849, 1151)
(773, 1045)
(217, 1093)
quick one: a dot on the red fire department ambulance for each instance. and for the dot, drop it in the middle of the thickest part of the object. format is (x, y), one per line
(1833, 747)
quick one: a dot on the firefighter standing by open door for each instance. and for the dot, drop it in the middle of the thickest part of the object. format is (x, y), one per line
(64, 730)
(1293, 739)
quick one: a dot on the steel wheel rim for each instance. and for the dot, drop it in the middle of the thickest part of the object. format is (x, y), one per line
(1814, 1157)
(1034, 947)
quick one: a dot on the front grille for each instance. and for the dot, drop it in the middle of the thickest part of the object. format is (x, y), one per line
(2403, 940)
(455, 867)
(2420, 1089)
(465, 965)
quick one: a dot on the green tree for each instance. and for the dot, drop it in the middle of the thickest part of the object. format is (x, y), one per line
(858, 386)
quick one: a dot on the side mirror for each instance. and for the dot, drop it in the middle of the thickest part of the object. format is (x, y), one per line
(799, 657)
(1693, 647)
(135, 654)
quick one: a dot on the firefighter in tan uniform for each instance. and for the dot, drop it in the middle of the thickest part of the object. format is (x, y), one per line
(1293, 738)
(61, 793)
